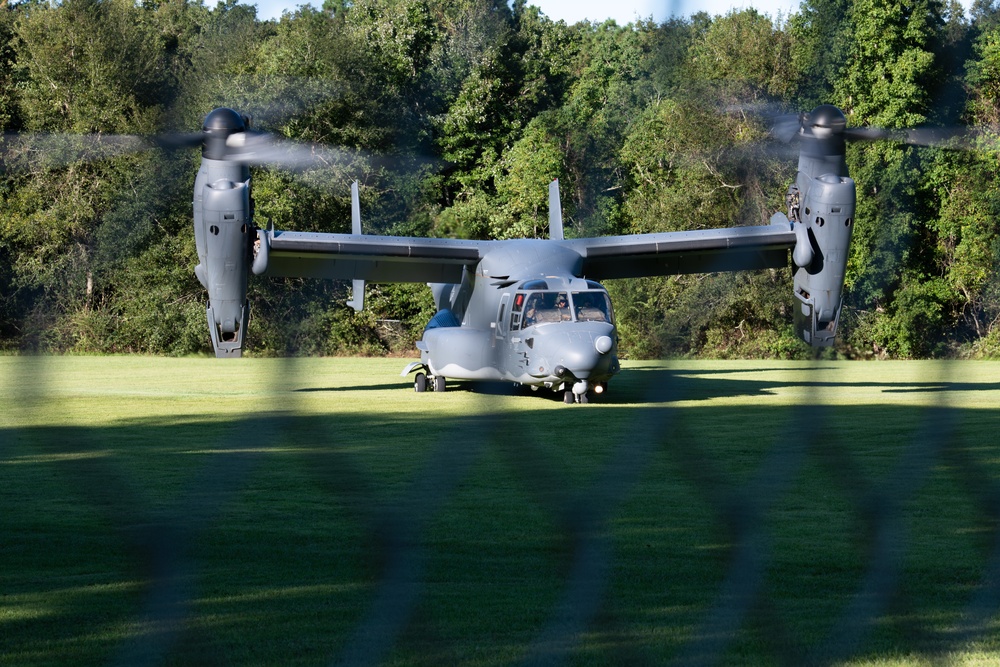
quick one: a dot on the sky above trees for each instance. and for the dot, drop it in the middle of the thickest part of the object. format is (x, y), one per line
(624, 12)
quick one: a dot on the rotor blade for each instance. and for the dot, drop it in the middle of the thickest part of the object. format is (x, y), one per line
(872, 134)
(49, 151)
(178, 140)
(272, 101)
(750, 153)
(782, 125)
(937, 137)
(786, 126)
(270, 150)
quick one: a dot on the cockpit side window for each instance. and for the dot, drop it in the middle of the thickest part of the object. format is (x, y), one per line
(517, 311)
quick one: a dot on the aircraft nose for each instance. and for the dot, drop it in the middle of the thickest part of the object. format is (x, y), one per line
(578, 354)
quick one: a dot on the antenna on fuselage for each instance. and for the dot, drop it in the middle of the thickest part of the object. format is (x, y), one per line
(555, 212)
(357, 301)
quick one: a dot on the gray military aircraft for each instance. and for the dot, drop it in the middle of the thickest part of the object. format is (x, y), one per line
(527, 311)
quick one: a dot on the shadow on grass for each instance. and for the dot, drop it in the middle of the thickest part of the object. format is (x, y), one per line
(373, 386)
(640, 532)
(629, 387)
(705, 384)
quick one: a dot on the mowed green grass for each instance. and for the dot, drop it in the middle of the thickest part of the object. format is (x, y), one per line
(318, 511)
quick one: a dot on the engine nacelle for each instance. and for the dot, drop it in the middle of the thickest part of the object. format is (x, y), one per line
(226, 231)
(823, 219)
(223, 229)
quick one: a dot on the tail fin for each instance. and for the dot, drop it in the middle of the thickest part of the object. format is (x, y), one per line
(555, 212)
(357, 301)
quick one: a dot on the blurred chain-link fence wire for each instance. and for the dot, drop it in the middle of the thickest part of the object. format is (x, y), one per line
(708, 586)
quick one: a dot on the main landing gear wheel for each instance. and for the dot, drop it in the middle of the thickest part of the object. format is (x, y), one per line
(439, 383)
(420, 383)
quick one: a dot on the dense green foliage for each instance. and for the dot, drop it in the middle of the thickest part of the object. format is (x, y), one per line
(454, 115)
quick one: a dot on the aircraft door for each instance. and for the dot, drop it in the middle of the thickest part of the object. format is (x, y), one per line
(502, 346)
(501, 323)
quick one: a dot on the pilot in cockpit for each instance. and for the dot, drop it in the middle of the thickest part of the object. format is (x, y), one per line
(562, 305)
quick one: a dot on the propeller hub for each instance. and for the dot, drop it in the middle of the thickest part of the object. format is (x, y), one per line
(826, 120)
(224, 120)
(219, 125)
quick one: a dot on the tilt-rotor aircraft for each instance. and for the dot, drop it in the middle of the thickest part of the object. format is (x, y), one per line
(527, 311)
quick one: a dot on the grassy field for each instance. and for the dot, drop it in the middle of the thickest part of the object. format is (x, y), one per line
(319, 511)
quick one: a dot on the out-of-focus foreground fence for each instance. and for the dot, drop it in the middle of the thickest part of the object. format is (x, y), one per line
(178, 511)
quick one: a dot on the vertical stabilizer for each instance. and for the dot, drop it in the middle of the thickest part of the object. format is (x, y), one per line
(555, 212)
(357, 301)
(355, 209)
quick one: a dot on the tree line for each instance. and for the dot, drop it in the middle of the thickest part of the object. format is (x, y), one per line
(455, 115)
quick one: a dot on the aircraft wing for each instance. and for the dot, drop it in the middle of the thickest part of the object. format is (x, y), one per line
(372, 258)
(430, 260)
(700, 251)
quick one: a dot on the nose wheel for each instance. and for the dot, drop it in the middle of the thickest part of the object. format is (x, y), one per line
(569, 397)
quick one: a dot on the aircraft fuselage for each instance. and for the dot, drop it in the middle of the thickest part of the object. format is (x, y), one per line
(539, 325)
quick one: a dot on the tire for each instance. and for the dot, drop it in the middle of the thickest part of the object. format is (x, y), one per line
(568, 397)
(439, 383)
(420, 383)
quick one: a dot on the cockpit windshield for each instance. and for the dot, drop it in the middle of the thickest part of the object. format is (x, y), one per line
(551, 306)
(592, 306)
(546, 307)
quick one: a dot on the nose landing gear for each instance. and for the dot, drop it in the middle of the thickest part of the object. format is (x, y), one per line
(576, 394)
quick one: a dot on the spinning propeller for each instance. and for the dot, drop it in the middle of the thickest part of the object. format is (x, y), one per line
(226, 136)
(824, 131)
